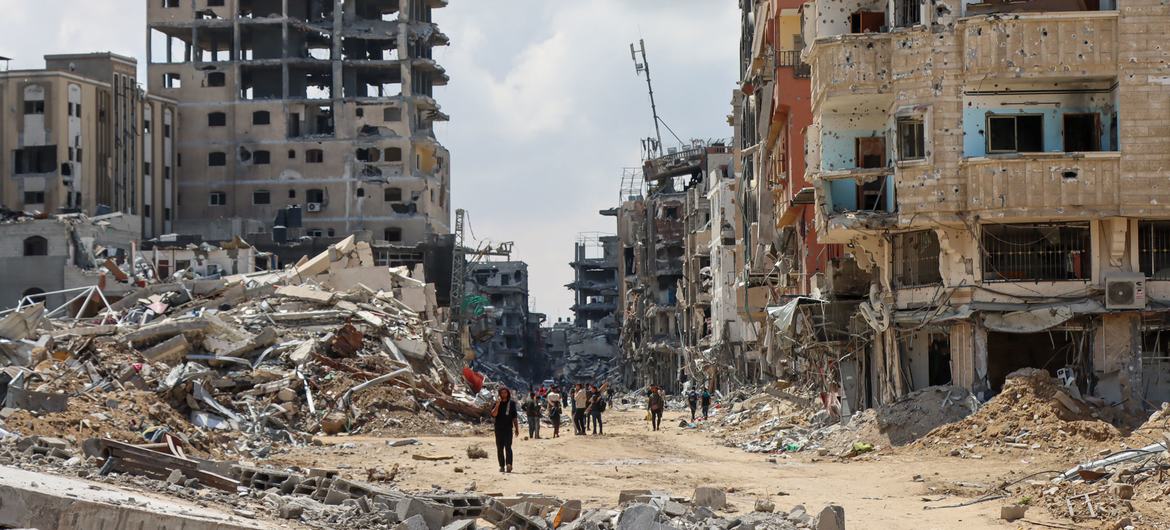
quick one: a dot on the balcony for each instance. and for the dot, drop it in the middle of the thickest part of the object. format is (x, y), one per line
(791, 59)
(850, 65)
(855, 199)
(1043, 184)
(1028, 45)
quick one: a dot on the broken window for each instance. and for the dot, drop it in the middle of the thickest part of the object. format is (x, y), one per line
(361, 192)
(314, 156)
(215, 79)
(1036, 252)
(1023, 133)
(261, 197)
(392, 114)
(34, 107)
(1154, 249)
(867, 21)
(314, 232)
(261, 117)
(216, 119)
(217, 198)
(368, 154)
(170, 3)
(292, 194)
(172, 80)
(393, 154)
(916, 259)
(292, 154)
(907, 13)
(911, 139)
(36, 246)
(392, 234)
(216, 159)
(392, 194)
(261, 157)
(34, 197)
(315, 195)
(1082, 132)
(35, 159)
(870, 152)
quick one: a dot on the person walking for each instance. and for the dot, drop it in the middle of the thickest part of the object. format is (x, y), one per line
(655, 404)
(507, 422)
(706, 402)
(531, 409)
(553, 403)
(693, 402)
(580, 402)
(595, 411)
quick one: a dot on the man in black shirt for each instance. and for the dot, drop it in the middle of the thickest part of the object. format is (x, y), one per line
(507, 422)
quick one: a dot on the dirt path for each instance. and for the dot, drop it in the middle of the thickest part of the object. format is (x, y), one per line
(878, 493)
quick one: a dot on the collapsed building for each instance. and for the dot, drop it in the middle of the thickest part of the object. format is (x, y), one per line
(585, 348)
(317, 106)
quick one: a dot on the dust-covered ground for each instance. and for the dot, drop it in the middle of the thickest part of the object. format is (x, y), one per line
(899, 490)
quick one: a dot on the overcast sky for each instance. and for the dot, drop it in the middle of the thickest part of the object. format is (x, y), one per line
(545, 106)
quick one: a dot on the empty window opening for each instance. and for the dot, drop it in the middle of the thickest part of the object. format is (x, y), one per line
(170, 3)
(261, 197)
(368, 154)
(292, 154)
(314, 156)
(261, 157)
(870, 152)
(1082, 132)
(261, 117)
(214, 3)
(1048, 350)
(1154, 249)
(217, 198)
(314, 232)
(392, 234)
(916, 259)
(35, 159)
(361, 192)
(315, 195)
(216, 159)
(1036, 252)
(907, 13)
(1022, 133)
(172, 80)
(911, 139)
(393, 154)
(34, 197)
(216, 119)
(392, 114)
(34, 106)
(215, 79)
(292, 194)
(392, 194)
(867, 21)
(36, 246)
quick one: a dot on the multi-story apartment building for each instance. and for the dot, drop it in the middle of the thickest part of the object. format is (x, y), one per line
(82, 136)
(505, 332)
(312, 104)
(999, 170)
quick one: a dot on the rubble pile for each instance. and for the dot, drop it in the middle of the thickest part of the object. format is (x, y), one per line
(899, 423)
(237, 364)
(1032, 412)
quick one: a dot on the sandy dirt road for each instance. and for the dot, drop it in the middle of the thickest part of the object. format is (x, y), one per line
(876, 493)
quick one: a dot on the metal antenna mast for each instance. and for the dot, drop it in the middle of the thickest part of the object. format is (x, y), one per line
(458, 276)
(644, 66)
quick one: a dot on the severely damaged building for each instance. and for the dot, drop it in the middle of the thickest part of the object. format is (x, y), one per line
(504, 332)
(653, 235)
(311, 105)
(586, 349)
(998, 181)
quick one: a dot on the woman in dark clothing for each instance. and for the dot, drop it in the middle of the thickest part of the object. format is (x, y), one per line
(507, 422)
(693, 402)
(595, 410)
(655, 404)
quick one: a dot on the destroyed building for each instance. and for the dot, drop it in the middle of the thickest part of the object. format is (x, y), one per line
(652, 231)
(994, 170)
(586, 348)
(320, 106)
(81, 135)
(504, 332)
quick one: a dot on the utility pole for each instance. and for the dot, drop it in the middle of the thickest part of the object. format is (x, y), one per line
(639, 68)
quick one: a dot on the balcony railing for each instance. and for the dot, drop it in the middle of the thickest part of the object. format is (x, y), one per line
(791, 59)
(851, 65)
(1036, 44)
(1044, 183)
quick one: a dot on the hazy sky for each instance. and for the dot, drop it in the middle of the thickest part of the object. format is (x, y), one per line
(545, 106)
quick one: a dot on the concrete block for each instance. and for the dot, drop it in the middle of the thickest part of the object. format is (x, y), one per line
(832, 517)
(637, 517)
(466, 524)
(765, 505)
(710, 497)
(414, 522)
(434, 515)
(305, 293)
(169, 351)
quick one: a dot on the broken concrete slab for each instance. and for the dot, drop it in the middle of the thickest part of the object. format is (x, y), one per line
(305, 293)
(169, 351)
(832, 517)
(710, 497)
(153, 333)
(637, 517)
(23, 323)
(374, 278)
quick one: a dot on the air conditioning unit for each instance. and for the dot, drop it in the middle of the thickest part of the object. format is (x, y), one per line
(1125, 290)
(313, 207)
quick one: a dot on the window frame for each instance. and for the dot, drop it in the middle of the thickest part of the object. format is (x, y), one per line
(1015, 132)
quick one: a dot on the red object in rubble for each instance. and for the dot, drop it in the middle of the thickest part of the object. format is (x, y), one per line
(474, 380)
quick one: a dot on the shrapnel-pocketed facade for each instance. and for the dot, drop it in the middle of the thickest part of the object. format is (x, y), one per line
(998, 170)
(314, 105)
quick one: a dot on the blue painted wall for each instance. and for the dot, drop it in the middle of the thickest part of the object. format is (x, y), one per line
(975, 123)
(843, 195)
(839, 147)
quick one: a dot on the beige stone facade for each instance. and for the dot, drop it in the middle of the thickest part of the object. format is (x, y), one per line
(323, 106)
(1001, 172)
(82, 135)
